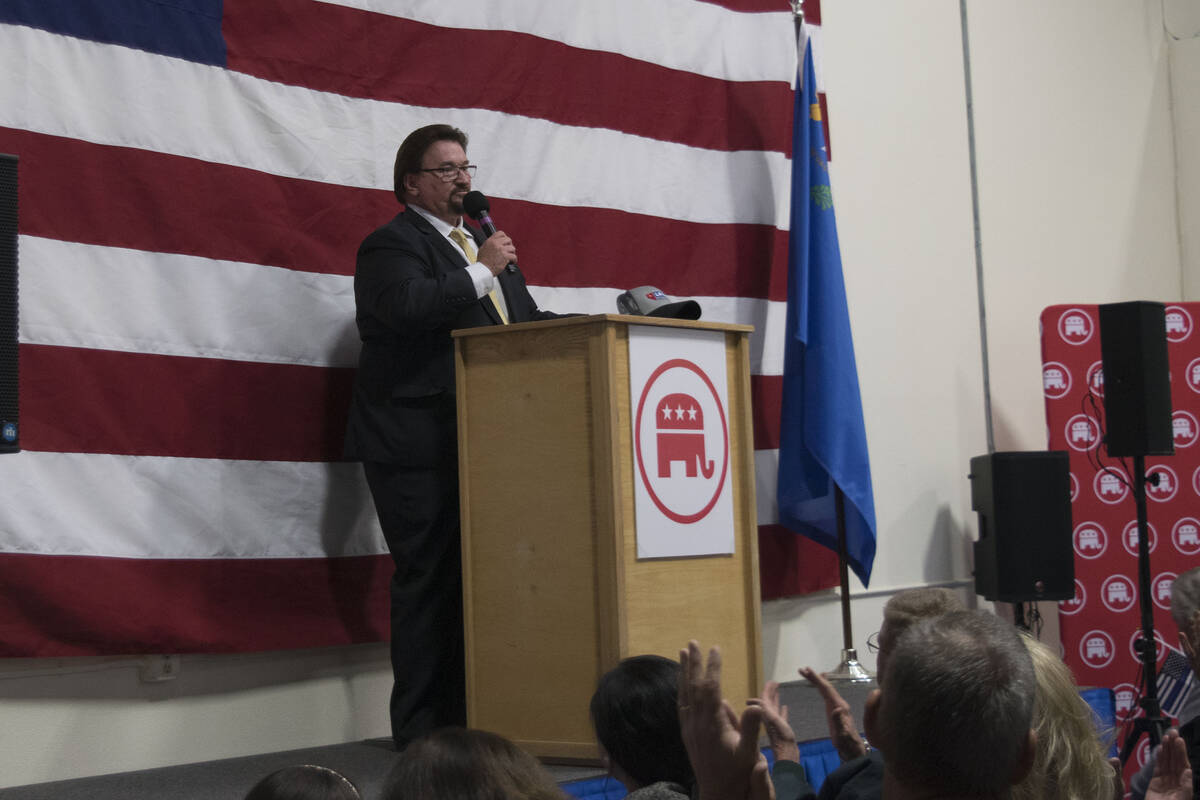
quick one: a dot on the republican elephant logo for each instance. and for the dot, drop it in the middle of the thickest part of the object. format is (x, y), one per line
(681, 441)
(680, 426)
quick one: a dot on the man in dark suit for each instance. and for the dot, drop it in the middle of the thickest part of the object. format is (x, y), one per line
(417, 278)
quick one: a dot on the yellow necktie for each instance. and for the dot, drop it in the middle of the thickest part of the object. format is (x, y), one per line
(461, 240)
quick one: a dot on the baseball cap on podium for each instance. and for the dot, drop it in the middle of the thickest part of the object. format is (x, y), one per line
(650, 301)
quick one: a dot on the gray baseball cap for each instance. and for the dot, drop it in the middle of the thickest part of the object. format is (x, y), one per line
(650, 301)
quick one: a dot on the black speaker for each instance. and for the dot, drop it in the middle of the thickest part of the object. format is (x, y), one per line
(9, 429)
(1137, 382)
(1025, 548)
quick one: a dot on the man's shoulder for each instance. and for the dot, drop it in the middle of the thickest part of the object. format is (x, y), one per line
(406, 223)
(406, 230)
(858, 778)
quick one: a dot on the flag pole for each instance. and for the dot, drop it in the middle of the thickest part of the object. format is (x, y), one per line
(849, 670)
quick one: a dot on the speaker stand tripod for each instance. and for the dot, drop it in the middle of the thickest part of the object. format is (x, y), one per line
(1152, 722)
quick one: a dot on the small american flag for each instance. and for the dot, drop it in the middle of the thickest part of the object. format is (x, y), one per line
(1175, 682)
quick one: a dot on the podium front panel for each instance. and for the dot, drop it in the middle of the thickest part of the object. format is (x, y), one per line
(554, 594)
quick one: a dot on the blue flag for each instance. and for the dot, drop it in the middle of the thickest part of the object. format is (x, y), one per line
(822, 440)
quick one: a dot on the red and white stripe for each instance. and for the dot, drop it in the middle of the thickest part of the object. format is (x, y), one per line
(187, 249)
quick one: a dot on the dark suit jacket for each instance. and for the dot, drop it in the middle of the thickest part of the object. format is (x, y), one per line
(411, 288)
(857, 779)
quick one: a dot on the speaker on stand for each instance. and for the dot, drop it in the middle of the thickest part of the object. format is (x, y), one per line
(1024, 552)
(1137, 421)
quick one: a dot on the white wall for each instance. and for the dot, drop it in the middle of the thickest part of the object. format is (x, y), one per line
(73, 717)
(1077, 189)
(1183, 29)
(901, 185)
(1075, 101)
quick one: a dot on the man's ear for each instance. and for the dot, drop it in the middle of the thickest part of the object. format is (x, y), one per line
(1025, 760)
(871, 719)
(409, 182)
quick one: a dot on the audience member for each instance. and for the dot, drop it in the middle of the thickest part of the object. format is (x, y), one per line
(1070, 761)
(1185, 611)
(462, 764)
(952, 717)
(860, 777)
(1173, 778)
(723, 747)
(787, 776)
(637, 725)
(304, 782)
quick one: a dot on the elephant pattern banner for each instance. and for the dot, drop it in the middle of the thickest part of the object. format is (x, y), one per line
(1100, 625)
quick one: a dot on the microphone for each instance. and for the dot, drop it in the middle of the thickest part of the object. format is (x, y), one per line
(476, 205)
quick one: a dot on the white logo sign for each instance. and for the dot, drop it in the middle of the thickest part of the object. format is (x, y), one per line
(1160, 646)
(1111, 485)
(1184, 429)
(1186, 536)
(1082, 433)
(1090, 540)
(1097, 650)
(1129, 537)
(683, 496)
(1056, 379)
(1076, 603)
(1192, 375)
(1143, 752)
(1166, 485)
(1118, 593)
(1095, 378)
(1179, 323)
(1075, 326)
(1126, 697)
(1160, 590)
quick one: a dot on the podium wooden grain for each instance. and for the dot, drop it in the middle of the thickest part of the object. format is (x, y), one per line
(554, 594)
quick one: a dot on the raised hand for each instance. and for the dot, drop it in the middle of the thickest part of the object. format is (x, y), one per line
(1172, 773)
(842, 729)
(775, 718)
(723, 749)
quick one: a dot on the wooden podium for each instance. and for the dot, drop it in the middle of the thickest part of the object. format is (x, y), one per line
(554, 593)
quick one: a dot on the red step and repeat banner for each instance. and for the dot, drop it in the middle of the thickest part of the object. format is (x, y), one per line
(1102, 622)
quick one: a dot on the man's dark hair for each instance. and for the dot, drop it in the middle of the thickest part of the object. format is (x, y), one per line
(957, 705)
(636, 716)
(467, 764)
(304, 782)
(412, 151)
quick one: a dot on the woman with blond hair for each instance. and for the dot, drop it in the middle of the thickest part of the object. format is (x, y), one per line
(1070, 761)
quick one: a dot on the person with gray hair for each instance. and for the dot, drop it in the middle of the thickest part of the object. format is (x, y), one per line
(860, 776)
(953, 716)
(1185, 611)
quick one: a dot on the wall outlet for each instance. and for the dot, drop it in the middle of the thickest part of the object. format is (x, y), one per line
(156, 669)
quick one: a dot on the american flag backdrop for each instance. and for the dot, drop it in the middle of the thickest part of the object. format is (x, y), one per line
(195, 177)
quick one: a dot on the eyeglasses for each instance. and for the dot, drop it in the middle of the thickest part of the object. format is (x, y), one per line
(448, 172)
(873, 643)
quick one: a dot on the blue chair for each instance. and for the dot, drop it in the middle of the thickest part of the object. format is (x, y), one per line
(818, 757)
(605, 787)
